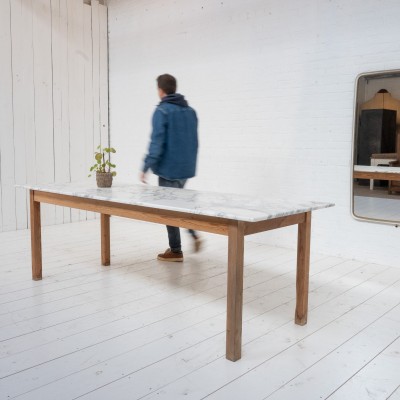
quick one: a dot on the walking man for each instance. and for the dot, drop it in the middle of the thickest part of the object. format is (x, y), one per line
(172, 152)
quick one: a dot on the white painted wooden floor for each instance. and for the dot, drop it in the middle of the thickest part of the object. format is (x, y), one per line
(378, 208)
(143, 329)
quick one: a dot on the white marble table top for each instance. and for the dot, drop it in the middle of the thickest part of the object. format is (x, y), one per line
(372, 168)
(229, 206)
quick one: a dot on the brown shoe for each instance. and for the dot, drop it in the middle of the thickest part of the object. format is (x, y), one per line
(169, 255)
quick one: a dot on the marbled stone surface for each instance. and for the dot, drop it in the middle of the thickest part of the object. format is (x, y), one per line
(230, 206)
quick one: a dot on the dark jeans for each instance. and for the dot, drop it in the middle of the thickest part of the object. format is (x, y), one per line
(174, 235)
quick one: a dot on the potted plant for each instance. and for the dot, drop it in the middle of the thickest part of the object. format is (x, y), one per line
(104, 175)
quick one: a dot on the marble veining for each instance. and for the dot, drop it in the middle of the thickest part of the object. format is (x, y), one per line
(229, 206)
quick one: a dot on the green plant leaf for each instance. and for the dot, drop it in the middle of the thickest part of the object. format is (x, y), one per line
(106, 149)
(114, 173)
(89, 176)
(98, 156)
(98, 147)
(113, 150)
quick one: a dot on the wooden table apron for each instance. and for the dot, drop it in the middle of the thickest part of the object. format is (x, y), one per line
(384, 176)
(235, 230)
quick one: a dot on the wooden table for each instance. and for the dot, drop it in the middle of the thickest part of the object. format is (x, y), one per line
(381, 159)
(230, 215)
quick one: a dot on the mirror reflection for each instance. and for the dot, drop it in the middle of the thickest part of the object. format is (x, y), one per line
(376, 148)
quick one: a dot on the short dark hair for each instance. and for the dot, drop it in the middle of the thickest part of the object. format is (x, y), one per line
(167, 83)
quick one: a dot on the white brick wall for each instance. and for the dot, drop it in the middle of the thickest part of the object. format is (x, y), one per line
(272, 82)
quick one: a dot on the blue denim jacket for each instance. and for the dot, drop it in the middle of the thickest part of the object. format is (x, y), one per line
(173, 146)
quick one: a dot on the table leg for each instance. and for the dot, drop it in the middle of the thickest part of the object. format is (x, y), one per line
(36, 238)
(371, 181)
(105, 239)
(303, 268)
(235, 291)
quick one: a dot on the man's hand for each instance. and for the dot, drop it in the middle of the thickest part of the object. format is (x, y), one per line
(143, 177)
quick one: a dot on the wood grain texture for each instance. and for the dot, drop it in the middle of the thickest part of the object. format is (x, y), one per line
(103, 75)
(385, 176)
(105, 239)
(7, 168)
(60, 100)
(36, 238)
(90, 144)
(234, 229)
(62, 333)
(43, 97)
(96, 71)
(23, 105)
(235, 291)
(262, 226)
(303, 267)
(51, 60)
(173, 218)
(76, 96)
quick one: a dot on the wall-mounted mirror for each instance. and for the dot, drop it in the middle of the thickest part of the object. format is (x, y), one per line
(376, 148)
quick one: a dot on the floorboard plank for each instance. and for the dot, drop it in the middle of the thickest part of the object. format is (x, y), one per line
(395, 395)
(379, 378)
(143, 329)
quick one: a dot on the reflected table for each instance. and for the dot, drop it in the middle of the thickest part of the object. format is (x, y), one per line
(372, 172)
(234, 216)
(382, 159)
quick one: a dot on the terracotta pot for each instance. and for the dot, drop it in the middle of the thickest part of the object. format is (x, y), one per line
(104, 179)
